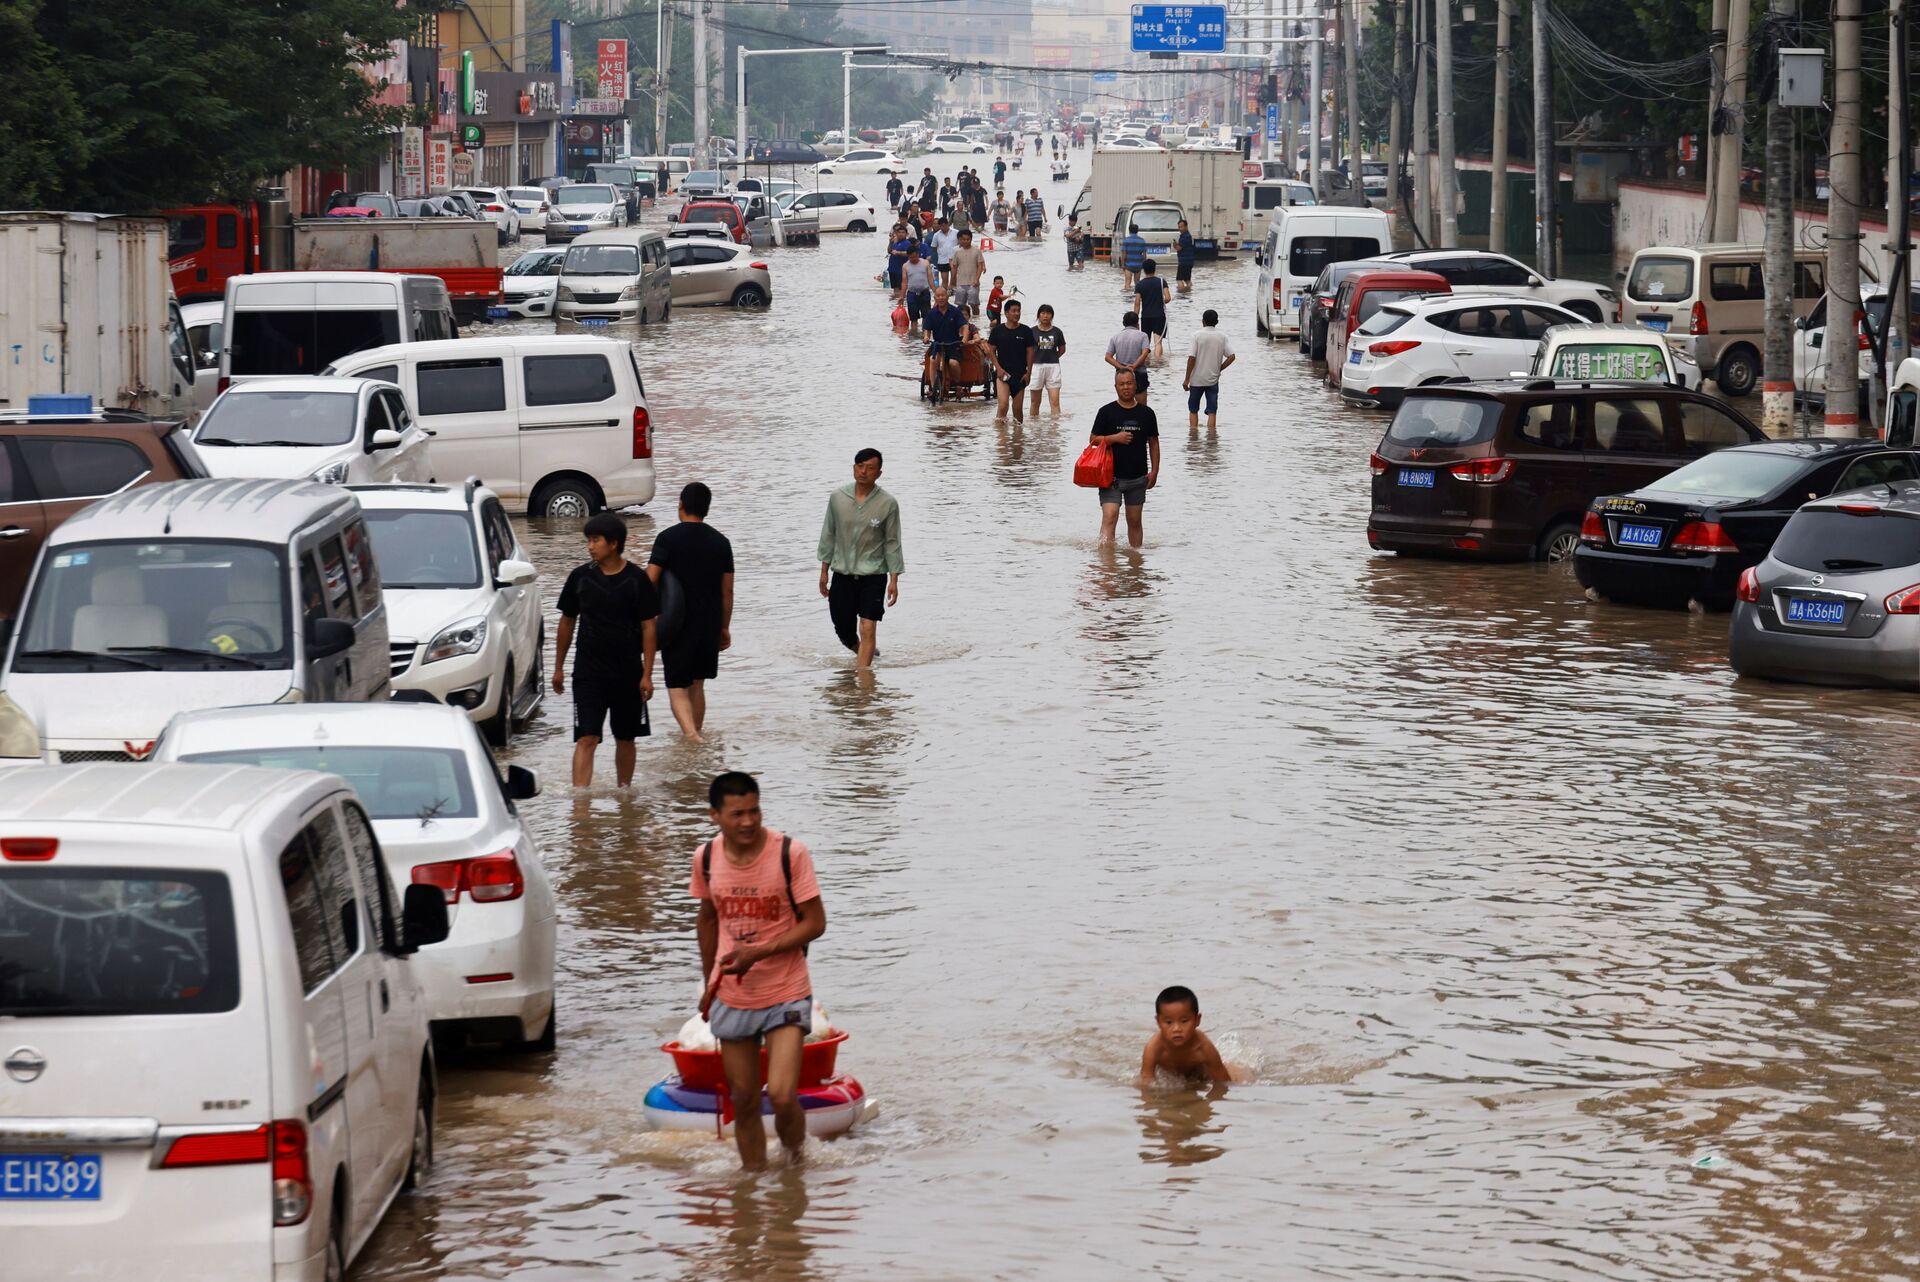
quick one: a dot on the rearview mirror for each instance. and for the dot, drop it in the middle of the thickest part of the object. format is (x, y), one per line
(522, 783)
(328, 637)
(515, 574)
(423, 917)
(673, 218)
(384, 439)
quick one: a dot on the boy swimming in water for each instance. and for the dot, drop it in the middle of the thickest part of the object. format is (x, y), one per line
(1178, 1045)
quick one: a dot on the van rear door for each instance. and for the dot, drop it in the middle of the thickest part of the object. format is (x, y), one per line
(572, 417)
(136, 1101)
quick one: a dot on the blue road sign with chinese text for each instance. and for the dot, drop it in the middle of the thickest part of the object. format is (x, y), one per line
(1180, 28)
(1273, 122)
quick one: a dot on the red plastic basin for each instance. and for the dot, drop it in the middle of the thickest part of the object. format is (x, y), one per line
(703, 1069)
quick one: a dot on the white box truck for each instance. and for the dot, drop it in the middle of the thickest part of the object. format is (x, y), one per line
(1204, 182)
(87, 309)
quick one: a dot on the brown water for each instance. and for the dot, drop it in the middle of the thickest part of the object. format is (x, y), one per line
(1515, 906)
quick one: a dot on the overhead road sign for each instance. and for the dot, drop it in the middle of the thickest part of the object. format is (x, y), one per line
(1179, 28)
(1105, 77)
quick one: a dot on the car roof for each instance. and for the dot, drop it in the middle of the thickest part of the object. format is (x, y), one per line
(1902, 497)
(1412, 255)
(242, 509)
(1388, 277)
(166, 794)
(421, 724)
(1437, 301)
(319, 384)
(1814, 447)
(195, 312)
(486, 345)
(413, 496)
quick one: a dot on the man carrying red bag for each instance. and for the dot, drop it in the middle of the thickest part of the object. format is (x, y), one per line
(1130, 434)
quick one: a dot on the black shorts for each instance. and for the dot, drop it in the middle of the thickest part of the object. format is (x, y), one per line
(1154, 324)
(1183, 271)
(918, 300)
(599, 700)
(692, 659)
(864, 594)
(1140, 379)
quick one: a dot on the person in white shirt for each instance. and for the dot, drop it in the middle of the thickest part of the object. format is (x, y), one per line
(1210, 355)
(945, 241)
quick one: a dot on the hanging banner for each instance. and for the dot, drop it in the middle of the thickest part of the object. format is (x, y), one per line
(413, 161)
(439, 164)
(613, 69)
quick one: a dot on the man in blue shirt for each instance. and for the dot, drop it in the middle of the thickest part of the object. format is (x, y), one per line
(1183, 260)
(1133, 252)
(944, 324)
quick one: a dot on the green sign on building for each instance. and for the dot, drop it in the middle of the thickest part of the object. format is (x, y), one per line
(466, 83)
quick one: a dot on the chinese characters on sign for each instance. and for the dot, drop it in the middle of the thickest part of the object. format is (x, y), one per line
(599, 107)
(413, 161)
(1609, 362)
(1179, 28)
(613, 69)
(440, 165)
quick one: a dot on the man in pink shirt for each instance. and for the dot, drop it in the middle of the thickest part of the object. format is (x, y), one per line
(759, 909)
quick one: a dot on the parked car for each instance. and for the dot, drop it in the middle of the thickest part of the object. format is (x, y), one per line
(1837, 600)
(554, 424)
(710, 218)
(1811, 355)
(282, 323)
(786, 151)
(381, 203)
(943, 143)
(585, 207)
(774, 187)
(1688, 536)
(496, 206)
(1360, 297)
(630, 178)
(1303, 241)
(194, 594)
(445, 819)
(706, 271)
(863, 160)
(1614, 351)
(1482, 271)
(703, 184)
(527, 287)
(533, 204)
(837, 210)
(463, 614)
(1133, 142)
(615, 275)
(1509, 469)
(51, 466)
(206, 335)
(219, 1060)
(1316, 303)
(334, 430)
(1449, 338)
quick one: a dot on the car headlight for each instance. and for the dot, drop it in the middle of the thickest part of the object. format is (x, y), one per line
(562, 294)
(1609, 295)
(332, 473)
(630, 293)
(19, 737)
(604, 216)
(464, 637)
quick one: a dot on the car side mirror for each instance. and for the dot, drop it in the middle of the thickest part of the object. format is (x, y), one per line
(522, 783)
(1534, 282)
(384, 439)
(423, 917)
(328, 637)
(515, 574)
(673, 218)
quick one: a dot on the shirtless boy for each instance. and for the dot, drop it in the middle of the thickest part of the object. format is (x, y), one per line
(1178, 1045)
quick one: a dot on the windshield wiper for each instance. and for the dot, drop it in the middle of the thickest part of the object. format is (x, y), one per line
(224, 441)
(89, 656)
(183, 652)
(1847, 563)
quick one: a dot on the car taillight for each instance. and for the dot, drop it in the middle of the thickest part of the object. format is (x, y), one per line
(759, 267)
(1905, 601)
(1859, 509)
(218, 1148)
(1748, 589)
(1860, 331)
(1483, 471)
(487, 879)
(496, 209)
(1378, 464)
(292, 1174)
(1279, 291)
(1697, 323)
(642, 433)
(29, 850)
(223, 384)
(1703, 536)
(1593, 529)
(1394, 348)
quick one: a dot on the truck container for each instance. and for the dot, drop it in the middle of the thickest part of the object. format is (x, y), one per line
(85, 310)
(1204, 182)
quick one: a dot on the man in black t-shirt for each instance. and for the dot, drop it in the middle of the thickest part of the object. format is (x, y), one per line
(1012, 345)
(700, 559)
(612, 603)
(1150, 300)
(1131, 433)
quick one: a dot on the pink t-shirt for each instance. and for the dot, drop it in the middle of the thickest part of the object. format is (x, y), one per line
(753, 907)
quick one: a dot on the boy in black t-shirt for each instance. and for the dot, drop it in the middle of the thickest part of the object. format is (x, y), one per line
(1049, 345)
(1131, 433)
(1012, 345)
(612, 603)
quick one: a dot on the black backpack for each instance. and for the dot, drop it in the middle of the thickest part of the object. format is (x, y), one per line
(786, 872)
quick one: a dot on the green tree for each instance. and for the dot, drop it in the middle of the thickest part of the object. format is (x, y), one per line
(43, 130)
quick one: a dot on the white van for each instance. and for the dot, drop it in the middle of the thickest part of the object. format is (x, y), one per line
(615, 275)
(194, 594)
(218, 1063)
(279, 323)
(554, 424)
(1302, 239)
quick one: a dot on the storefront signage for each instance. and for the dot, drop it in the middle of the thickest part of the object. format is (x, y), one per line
(413, 161)
(472, 135)
(613, 68)
(600, 107)
(439, 164)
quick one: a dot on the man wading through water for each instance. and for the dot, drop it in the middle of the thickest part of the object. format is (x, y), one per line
(860, 549)
(759, 909)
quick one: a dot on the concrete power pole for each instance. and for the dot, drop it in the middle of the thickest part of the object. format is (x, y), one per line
(1776, 388)
(1845, 193)
(1447, 187)
(1899, 178)
(662, 90)
(700, 126)
(1422, 110)
(1502, 70)
(1546, 166)
(1356, 191)
(1396, 116)
(1727, 147)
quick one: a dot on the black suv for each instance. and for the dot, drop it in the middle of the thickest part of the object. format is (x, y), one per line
(1509, 469)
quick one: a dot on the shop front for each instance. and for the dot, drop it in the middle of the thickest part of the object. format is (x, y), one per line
(508, 123)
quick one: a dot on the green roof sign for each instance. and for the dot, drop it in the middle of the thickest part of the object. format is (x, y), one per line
(1583, 361)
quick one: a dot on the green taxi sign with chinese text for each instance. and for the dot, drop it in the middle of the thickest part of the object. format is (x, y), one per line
(1580, 361)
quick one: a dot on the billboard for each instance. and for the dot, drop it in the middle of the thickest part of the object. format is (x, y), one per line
(613, 69)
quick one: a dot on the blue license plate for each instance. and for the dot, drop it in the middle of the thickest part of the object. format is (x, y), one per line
(1293, 303)
(1638, 536)
(1418, 478)
(1353, 357)
(496, 313)
(49, 1177)
(1656, 322)
(1803, 610)
(576, 226)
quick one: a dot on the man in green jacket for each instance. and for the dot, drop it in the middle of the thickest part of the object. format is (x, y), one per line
(860, 557)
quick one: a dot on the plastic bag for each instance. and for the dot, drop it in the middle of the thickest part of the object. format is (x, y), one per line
(1094, 469)
(696, 1036)
(822, 1027)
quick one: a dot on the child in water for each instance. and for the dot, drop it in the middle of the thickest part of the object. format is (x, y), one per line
(1177, 1044)
(997, 297)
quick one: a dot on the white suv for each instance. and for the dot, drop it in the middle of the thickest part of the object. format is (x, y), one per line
(1481, 271)
(445, 818)
(463, 614)
(956, 142)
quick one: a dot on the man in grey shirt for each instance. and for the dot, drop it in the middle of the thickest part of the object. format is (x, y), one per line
(968, 264)
(917, 279)
(1211, 354)
(1128, 350)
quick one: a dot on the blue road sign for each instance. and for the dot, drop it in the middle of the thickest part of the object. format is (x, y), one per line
(1105, 77)
(1179, 28)
(1273, 122)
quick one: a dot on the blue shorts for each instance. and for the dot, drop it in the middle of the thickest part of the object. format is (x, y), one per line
(1211, 393)
(733, 1025)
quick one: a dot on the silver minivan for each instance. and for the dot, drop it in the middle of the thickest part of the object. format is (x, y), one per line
(615, 275)
(192, 594)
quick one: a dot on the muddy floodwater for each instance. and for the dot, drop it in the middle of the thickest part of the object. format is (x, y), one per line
(1554, 952)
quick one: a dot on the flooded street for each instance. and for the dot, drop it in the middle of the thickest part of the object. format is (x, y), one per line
(1516, 906)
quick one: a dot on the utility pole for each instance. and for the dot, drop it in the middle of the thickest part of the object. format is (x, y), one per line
(1357, 193)
(1314, 115)
(700, 127)
(1502, 70)
(1716, 98)
(1899, 179)
(1776, 386)
(1422, 171)
(1396, 116)
(1546, 165)
(1727, 157)
(1443, 54)
(1844, 194)
(663, 61)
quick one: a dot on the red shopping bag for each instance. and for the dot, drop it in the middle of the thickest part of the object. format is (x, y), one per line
(1095, 468)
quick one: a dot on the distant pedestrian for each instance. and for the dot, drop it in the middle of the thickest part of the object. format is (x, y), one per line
(945, 241)
(999, 171)
(1076, 243)
(1183, 260)
(1150, 300)
(1002, 213)
(917, 279)
(968, 266)
(1012, 345)
(899, 245)
(861, 560)
(612, 603)
(1036, 213)
(1128, 350)
(700, 559)
(1049, 345)
(1210, 356)
(929, 189)
(1133, 253)
(1131, 433)
(896, 190)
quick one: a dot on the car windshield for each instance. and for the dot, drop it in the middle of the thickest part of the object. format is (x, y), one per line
(538, 264)
(1374, 299)
(280, 418)
(184, 604)
(1656, 279)
(587, 194)
(612, 174)
(424, 549)
(394, 781)
(305, 341)
(1827, 540)
(1153, 219)
(704, 177)
(116, 941)
(1732, 474)
(1443, 422)
(602, 260)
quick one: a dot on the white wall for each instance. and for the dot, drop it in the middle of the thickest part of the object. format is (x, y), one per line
(1651, 215)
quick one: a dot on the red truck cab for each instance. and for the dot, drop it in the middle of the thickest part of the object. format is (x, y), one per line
(205, 245)
(703, 216)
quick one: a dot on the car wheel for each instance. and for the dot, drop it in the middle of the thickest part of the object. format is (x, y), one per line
(420, 1158)
(1589, 310)
(856, 225)
(1558, 543)
(498, 728)
(543, 1044)
(1260, 326)
(749, 296)
(563, 501)
(1739, 370)
(534, 676)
